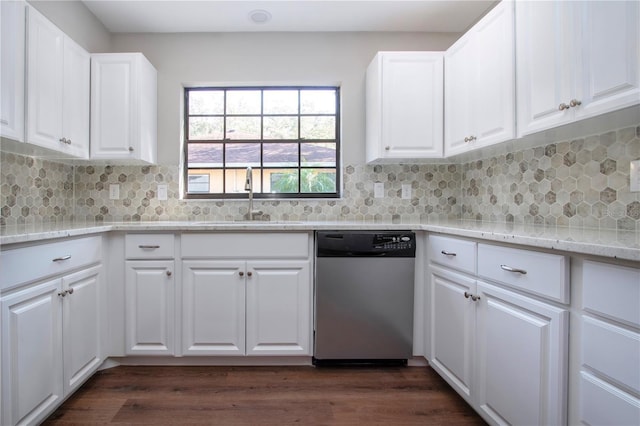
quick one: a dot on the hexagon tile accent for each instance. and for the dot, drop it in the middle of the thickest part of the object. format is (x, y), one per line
(574, 183)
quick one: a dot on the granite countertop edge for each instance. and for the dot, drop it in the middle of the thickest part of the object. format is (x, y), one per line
(605, 243)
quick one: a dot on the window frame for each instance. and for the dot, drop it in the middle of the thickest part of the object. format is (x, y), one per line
(261, 141)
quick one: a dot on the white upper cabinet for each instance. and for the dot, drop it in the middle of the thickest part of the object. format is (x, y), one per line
(404, 106)
(57, 89)
(12, 14)
(123, 107)
(575, 60)
(479, 84)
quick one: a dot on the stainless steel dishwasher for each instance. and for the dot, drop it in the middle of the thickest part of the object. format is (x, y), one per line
(364, 296)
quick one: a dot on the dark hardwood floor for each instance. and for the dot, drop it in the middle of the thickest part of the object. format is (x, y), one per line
(265, 396)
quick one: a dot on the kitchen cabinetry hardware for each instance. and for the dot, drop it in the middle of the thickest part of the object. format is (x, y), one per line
(241, 273)
(574, 103)
(448, 253)
(472, 296)
(130, 149)
(467, 295)
(61, 258)
(70, 291)
(249, 274)
(169, 273)
(470, 138)
(62, 293)
(510, 269)
(563, 106)
(387, 148)
(65, 140)
(148, 247)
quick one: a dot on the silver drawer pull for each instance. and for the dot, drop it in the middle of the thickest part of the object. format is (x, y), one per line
(60, 259)
(148, 247)
(510, 269)
(448, 253)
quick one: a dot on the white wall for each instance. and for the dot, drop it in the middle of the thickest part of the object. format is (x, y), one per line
(268, 58)
(77, 22)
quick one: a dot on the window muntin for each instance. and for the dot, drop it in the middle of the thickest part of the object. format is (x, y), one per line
(288, 135)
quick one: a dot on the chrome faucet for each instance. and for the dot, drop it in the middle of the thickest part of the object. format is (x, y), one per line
(248, 186)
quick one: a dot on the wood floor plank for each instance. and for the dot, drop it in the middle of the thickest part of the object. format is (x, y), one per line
(239, 396)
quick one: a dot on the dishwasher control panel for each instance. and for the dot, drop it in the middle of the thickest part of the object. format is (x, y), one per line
(365, 244)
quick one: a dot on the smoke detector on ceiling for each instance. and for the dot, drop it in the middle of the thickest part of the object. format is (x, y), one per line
(259, 16)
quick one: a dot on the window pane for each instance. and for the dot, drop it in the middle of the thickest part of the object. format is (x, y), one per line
(243, 102)
(236, 178)
(280, 128)
(242, 154)
(205, 128)
(318, 101)
(243, 127)
(318, 154)
(204, 155)
(318, 181)
(281, 180)
(206, 102)
(280, 102)
(317, 127)
(280, 154)
(198, 183)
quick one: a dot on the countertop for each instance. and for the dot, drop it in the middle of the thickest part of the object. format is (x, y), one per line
(607, 243)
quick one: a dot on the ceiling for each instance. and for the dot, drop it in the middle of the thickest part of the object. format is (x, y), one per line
(171, 16)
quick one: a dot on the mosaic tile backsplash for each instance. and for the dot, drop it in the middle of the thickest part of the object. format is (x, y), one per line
(575, 183)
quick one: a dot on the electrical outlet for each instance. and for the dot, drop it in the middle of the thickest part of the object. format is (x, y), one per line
(634, 176)
(114, 191)
(406, 191)
(378, 190)
(162, 192)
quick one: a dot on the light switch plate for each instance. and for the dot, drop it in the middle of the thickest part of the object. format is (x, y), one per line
(406, 191)
(162, 192)
(634, 176)
(114, 191)
(378, 190)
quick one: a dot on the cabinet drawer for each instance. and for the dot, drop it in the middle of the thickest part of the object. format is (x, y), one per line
(612, 291)
(453, 253)
(255, 245)
(534, 272)
(603, 404)
(149, 246)
(27, 264)
(611, 350)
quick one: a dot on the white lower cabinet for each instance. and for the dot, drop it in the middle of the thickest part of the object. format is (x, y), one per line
(236, 307)
(50, 344)
(149, 310)
(609, 376)
(503, 351)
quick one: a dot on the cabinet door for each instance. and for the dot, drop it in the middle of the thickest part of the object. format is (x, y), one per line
(412, 105)
(608, 64)
(544, 50)
(279, 308)
(493, 96)
(452, 325)
(31, 354)
(213, 307)
(113, 88)
(75, 104)
(44, 82)
(522, 358)
(459, 86)
(149, 310)
(12, 14)
(81, 326)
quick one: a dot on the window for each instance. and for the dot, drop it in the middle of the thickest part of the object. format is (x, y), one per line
(289, 136)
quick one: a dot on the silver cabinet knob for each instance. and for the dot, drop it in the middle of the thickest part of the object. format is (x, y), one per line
(70, 291)
(467, 295)
(563, 106)
(250, 274)
(169, 273)
(574, 103)
(241, 273)
(65, 140)
(130, 149)
(387, 148)
(470, 138)
(62, 293)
